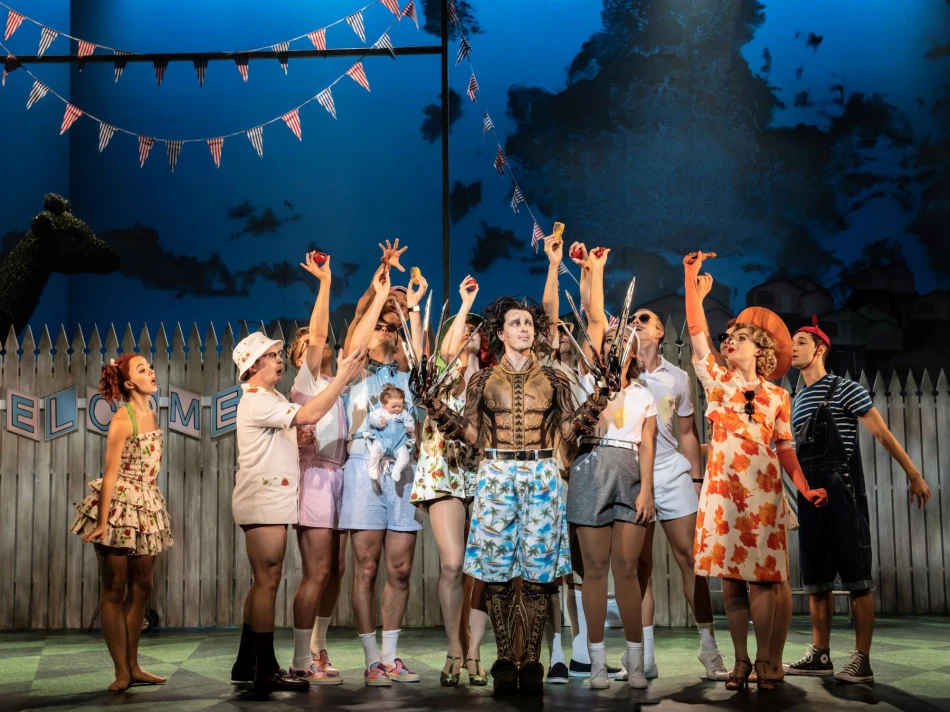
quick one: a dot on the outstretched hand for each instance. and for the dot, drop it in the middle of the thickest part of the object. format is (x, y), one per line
(349, 366)
(468, 290)
(381, 280)
(391, 254)
(320, 271)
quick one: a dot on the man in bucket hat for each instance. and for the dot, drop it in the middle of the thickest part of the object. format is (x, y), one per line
(264, 500)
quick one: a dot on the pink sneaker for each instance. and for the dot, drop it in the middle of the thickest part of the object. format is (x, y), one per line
(376, 676)
(322, 661)
(317, 676)
(398, 672)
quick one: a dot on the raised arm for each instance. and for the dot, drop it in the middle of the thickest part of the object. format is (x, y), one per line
(391, 255)
(455, 336)
(320, 405)
(120, 430)
(554, 249)
(695, 314)
(362, 331)
(413, 297)
(596, 315)
(320, 316)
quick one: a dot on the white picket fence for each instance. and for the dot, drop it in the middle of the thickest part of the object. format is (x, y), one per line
(51, 580)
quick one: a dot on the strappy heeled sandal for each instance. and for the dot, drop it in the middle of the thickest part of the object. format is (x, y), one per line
(737, 679)
(762, 680)
(478, 679)
(450, 679)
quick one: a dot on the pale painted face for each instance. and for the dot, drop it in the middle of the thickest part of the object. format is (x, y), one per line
(518, 331)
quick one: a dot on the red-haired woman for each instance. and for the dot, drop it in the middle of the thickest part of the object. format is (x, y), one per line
(125, 516)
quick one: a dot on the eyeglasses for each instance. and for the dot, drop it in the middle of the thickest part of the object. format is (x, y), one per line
(274, 355)
(749, 406)
(387, 327)
(643, 318)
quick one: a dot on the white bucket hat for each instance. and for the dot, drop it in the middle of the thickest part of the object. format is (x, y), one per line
(251, 348)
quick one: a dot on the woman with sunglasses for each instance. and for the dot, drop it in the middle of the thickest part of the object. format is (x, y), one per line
(742, 518)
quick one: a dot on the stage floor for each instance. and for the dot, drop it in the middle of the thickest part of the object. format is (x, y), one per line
(910, 658)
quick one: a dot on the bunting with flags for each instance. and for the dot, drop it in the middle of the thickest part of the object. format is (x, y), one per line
(326, 101)
(145, 145)
(356, 22)
(241, 60)
(121, 59)
(410, 12)
(13, 22)
(319, 39)
(500, 161)
(487, 124)
(201, 68)
(472, 87)
(281, 51)
(215, 145)
(292, 119)
(105, 135)
(256, 135)
(393, 7)
(160, 66)
(69, 118)
(517, 197)
(358, 74)
(385, 43)
(453, 14)
(173, 148)
(464, 50)
(85, 50)
(10, 64)
(46, 39)
(537, 236)
(36, 93)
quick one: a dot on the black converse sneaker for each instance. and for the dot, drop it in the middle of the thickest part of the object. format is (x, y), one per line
(858, 668)
(816, 661)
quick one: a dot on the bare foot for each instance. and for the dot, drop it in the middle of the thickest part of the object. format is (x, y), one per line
(122, 682)
(146, 678)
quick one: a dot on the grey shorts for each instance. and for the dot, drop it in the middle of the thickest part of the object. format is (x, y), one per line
(376, 505)
(605, 484)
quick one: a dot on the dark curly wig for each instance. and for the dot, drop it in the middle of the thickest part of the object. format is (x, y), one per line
(494, 316)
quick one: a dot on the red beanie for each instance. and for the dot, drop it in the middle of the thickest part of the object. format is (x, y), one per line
(814, 330)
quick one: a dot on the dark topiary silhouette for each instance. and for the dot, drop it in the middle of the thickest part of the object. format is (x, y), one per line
(57, 241)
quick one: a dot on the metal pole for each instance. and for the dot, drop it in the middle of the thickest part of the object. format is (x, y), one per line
(216, 56)
(446, 242)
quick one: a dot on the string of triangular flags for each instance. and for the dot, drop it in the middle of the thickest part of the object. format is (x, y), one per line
(317, 37)
(357, 72)
(501, 160)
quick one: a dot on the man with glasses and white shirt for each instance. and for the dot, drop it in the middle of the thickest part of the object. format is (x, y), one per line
(264, 500)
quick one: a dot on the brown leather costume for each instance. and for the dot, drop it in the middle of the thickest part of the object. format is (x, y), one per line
(507, 409)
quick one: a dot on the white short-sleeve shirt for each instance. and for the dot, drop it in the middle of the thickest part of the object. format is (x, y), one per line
(265, 486)
(670, 388)
(330, 431)
(624, 416)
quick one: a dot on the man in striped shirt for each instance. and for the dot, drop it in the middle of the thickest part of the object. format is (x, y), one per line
(836, 541)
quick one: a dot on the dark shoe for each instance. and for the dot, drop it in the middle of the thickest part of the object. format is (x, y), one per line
(583, 670)
(279, 681)
(531, 678)
(242, 673)
(504, 674)
(816, 661)
(558, 674)
(857, 669)
(739, 676)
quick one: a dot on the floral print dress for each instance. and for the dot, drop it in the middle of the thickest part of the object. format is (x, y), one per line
(743, 514)
(446, 468)
(138, 523)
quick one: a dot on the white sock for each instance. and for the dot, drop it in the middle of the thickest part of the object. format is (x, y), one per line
(707, 637)
(649, 654)
(302, 657)
(370, 649)
(318, 639)
(598, 654)
(390, 639)
(579, 637)
(557, 653)
(634, 653)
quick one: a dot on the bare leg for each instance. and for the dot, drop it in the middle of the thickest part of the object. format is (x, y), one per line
(317, 551)
(763, 614)
(862, 606)
(478, 622)
(680, 533)
(783, 621)
(736, 599)
(266, 546)
(645, 573)
(331, 592)
(400, 547)
(140, 588)
(821, 606)
(114, 570)
(595, 545)
(625, 549)
(448, 527)
(367, 548)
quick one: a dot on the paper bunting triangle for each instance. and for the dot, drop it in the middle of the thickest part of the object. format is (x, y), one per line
(464, 49)
(410, 12)
(281, 51)
(36, 93)
(160, 66)
(145, 145)
(537, 236)
(85, 50)
(292, 119)
(173, 148)
(326, 101)
(10, 64)
(319, 39)
(472, 87)
(393, 7)
(385, 43)
(453, 14)
(256, 135)
(356, 22)
(121, 59)
(46, 39)
(240, 59)
(13, 22)
(358, 75)
(500, 161)
(487, 124)
(69, 118)
(201, 68)
(216, 144)
(105, 135)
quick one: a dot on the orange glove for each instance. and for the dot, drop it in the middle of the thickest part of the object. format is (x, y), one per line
(789, 460)
(695, 316)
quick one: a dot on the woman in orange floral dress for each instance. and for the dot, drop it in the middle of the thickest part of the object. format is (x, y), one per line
(741, 523)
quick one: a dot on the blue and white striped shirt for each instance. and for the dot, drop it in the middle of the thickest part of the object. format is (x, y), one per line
(850, 401)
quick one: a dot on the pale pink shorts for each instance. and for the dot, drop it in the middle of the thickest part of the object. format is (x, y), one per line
(321, 492)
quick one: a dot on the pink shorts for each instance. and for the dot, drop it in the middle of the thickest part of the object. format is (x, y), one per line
(321, 492)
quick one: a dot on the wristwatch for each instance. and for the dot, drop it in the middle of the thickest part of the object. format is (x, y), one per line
(414, 309)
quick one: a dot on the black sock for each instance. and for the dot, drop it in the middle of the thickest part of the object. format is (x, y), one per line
(246, 657)
(264, 649)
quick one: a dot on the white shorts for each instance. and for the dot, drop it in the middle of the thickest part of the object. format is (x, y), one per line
(673, 492)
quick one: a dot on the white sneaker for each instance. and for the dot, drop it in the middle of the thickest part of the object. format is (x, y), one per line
(622, 675)
(652, 672)
(712, 661)
(598, 676)
(635, 677)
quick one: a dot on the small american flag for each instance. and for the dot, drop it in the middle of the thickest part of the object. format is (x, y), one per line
(69, 118)
(240, 59)
(46, 39)
(105, 135)
(393, 7)
(472, 87)
(612, 323)
(358, 74)
(145, 145)
(292, 119)
(326, 101)
(518, 197)
(410, 12)
(13, 21)
(256, 135)
(201, 68)
(500, 161)
(537, 236)
(356, 22)
(85, 49)
(385, 43)
(173, 148)
(319, 39)
(36, 93)
(453, 15)
(160, 66)
(216, 144)
(121, 59)
(10, 64)
(487, 124)
(464, 49)
(281, 51)
(562, 269)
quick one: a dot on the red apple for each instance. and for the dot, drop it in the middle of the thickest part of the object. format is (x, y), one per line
(599, 252)
(577, 253)
(319, 257)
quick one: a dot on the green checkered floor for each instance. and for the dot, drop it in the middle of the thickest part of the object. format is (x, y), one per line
(911, 661)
